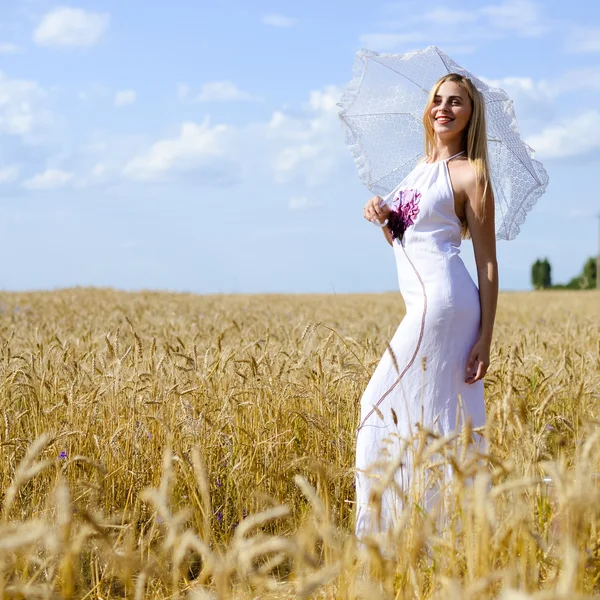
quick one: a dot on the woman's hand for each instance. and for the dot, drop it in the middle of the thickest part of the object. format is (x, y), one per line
(479, 361)
(375, 211)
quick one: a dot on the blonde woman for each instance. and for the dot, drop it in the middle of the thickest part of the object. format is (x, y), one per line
(440, 352)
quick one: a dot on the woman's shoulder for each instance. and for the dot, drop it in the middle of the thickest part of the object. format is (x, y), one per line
(463, 168)
(463, 176)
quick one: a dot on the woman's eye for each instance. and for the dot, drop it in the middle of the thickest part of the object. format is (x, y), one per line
(454, 102)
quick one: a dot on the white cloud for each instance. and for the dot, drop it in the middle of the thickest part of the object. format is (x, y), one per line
(576, 136)
(540, 106)
(536, 99)
(71, 27)
(8, 48)
(521, 17)
(583, 39)
(574, 80)
(526, 85)
(301, 203)
(446, 16)
(94, 91)
(443, 27)
(9, 174)
(125, 98)
(578, 213)
(309, 148)
(49, 179)
(290, 158)
(98, 174)
(325, 100)
(300, 148)
(99, 170)
(216, 91)
(196, 148)
(304, 147)
(583, 78)
(22, 108)
(533, 99)
(279, 21)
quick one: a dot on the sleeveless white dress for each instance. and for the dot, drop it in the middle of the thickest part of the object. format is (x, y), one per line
(426, 382)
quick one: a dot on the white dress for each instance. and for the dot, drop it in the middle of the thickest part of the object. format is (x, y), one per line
(431, 346)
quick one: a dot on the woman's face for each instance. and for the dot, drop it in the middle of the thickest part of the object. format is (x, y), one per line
(451, 109)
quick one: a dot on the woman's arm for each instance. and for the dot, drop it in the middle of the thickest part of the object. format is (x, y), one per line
(480, 219)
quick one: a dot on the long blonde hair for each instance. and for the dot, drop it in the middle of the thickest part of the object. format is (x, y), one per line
(475, 134)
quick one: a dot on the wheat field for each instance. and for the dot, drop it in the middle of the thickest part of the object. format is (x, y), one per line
(159, 445)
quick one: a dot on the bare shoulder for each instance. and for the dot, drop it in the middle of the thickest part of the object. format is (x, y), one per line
(464, 179)
(463, 174)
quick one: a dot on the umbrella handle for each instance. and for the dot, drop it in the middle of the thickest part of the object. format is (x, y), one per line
(377, 222)
(380, 224)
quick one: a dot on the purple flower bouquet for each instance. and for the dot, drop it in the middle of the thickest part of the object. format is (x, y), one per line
(404, 211)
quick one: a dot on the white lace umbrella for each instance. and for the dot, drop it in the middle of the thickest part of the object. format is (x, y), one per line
(382, 111)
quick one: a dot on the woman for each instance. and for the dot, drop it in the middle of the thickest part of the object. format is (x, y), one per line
(433, 374)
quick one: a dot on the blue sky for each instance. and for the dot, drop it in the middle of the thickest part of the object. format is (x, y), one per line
(195, 146)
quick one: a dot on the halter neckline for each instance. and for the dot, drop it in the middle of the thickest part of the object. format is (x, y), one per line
(444, 159)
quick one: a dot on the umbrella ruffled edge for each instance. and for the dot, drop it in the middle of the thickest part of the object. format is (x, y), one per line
(359, 69)
(509, 231)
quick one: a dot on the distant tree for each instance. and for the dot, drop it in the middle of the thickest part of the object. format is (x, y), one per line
(536, 275)
(541, 274)
(586, 280)
(589, 274)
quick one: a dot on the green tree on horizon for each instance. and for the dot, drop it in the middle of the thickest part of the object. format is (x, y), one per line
(586, 280)
(541, 274)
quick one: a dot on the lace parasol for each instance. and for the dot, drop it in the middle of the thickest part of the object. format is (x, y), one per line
(382, 110)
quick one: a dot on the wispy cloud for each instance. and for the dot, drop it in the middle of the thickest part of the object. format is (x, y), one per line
(125, 98)
(442, 26)
(50, 179)
(9, 174)
(578, 213)
(570, 137)
(309, 148)
(533, 98)
(446, 16)
(9, 48)
(22, 106)
(302, 146)
(198, 147)
(94, 91)
(573, 80)
(583, 40)
(71, 27)
(539, 106)
(216, 91)
(301, 203)
(279, 21)
(518, 17)
(582, 78)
